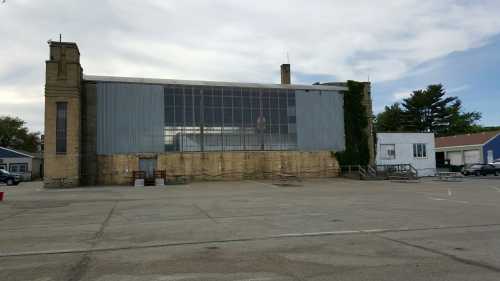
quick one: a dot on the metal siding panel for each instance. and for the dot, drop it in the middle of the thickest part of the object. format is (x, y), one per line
(130, 118)
(493, 145)
(320, 120)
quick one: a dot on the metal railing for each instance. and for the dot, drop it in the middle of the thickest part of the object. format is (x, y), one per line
(403, 171)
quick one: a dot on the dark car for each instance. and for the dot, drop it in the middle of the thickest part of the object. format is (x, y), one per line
(8, 178)
(481, 170)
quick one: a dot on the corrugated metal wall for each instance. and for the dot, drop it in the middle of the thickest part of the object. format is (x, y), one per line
(320, 120)
(130, 118)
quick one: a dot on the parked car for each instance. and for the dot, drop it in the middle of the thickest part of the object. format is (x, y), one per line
(8, 178)
(481, 170)
(496, 163)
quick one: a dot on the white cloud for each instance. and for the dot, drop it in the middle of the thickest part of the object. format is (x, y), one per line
(400, 95)
(458, 89)
(236, 40)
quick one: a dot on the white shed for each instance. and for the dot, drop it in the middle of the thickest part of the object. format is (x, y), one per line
(416, 149)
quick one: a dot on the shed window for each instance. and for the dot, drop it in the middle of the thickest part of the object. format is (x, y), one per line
(419, 150)
(388, 151)
(61, 127)
(18, 168)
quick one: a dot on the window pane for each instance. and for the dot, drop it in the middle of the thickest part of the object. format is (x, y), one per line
(61, 126)
(247, 117)
(227, 100)
(274, 102)
(218, 116)
(275, 117)
(228, 116)
(388, 151)
(237, 97)
(291, 98)
(217, 97)
(169, 116)
(207, 99)
(189, 117)
(188, 98)
(237, 117)
(169, 99)
(209, 116)
(179, 116)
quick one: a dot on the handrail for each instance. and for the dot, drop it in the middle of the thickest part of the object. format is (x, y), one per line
(372, 171)
(362, 172)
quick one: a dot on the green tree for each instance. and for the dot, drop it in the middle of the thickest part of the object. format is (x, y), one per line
(429, 110)
(14, 134)
(355, 122)
(390, 119)
(462, 123)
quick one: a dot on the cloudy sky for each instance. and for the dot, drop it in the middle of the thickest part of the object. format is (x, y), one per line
(400, 45)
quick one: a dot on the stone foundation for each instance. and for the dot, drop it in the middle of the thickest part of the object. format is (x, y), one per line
(221, 166)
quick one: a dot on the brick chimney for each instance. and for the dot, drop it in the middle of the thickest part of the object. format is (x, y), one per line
(285, 74)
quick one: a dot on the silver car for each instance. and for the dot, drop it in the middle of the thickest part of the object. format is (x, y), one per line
(496, 163)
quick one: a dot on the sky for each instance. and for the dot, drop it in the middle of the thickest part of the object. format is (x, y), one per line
(399, 46)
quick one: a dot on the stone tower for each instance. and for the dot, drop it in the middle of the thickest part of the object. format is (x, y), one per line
(286, 76)
(63, 83)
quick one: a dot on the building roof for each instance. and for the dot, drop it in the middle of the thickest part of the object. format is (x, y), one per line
(209, 83)
(11, 153)
(463, 140)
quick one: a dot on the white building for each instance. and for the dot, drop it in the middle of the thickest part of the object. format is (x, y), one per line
(27, 165)
(416, 149)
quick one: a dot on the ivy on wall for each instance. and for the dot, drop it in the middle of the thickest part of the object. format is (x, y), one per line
(356, 122)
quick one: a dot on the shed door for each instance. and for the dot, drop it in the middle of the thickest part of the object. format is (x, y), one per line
(148, 166)
(490, 156)
(472, 156)
(455, 158)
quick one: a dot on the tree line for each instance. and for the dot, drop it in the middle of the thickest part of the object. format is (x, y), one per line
(430, 110)
(15, 135)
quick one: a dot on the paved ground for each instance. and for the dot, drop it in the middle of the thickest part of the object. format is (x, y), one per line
(254, 231)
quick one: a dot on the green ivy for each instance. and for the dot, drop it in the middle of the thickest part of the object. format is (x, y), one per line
(356, 122)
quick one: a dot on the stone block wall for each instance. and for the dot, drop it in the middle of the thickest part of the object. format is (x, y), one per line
(222, 166)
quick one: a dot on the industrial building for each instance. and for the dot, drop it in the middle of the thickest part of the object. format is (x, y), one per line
(460, 150)
(98, 130)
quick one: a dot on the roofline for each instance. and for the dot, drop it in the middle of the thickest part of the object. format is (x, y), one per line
(459, 146)
(419, 133)
(477, 144)
(15, 151)
(57, 43)
(492, 138)
(137, 80)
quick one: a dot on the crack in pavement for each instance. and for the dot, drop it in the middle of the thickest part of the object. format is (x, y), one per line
(441, 253)
(243, 239)
(77, 272)
(205, 213)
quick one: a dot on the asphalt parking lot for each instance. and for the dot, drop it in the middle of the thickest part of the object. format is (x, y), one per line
(332, 229)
